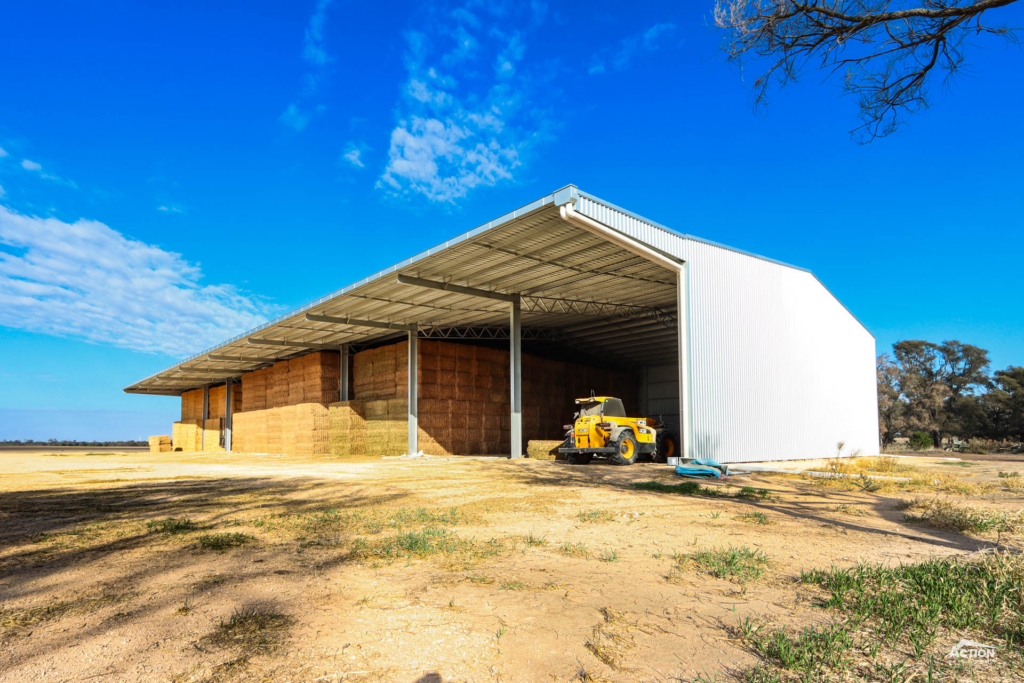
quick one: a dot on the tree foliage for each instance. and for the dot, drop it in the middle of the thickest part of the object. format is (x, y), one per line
(946, 390)
(886, 51)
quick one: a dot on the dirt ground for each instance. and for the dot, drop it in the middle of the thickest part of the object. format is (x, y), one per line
(284, 568)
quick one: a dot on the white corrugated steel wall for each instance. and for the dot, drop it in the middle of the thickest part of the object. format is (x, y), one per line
(779, 369)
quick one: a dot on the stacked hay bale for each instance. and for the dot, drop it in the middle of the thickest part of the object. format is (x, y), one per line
(288, 426)
(544, 450)
(254, 387)
(160, 444)
(241, 432)
(322, 377)
(216, 406)
(277, 387)
(186, 435)
(347, 428)
(211, 434)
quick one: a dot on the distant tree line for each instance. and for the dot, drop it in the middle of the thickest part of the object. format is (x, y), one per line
(56, 442)
(947, 390)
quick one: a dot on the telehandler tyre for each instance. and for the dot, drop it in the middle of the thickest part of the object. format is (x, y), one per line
(665, 446)
(625, 449)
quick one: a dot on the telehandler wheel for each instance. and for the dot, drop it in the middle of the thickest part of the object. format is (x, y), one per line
(578, 458)
(665, 446)
(625, 449)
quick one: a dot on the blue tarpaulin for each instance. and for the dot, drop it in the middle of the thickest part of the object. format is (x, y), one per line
(701, 468)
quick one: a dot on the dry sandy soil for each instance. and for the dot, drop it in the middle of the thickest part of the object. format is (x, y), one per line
(417, 570)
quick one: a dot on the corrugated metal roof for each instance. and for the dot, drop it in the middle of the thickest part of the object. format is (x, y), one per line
(529, 251)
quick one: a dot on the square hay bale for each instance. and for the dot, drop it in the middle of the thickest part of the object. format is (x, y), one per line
(376, 410)
(427, 347)
(434, 420)
(426, 377)
(211, 433)
(459, 417)
(435, 405)
(398, 408)
(446, 363)
(160, 444)
(446, 349)
(428, 362)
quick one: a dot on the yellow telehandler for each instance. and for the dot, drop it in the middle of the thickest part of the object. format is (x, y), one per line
(602, 429)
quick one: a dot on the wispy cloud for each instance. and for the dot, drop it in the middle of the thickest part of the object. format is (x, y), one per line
(353, 153)
(297, 115)
(169, 209)
(314, 51)
(88, 281)
(464, 119)
(37, 168)
(298, 119)
(3, 152)
(3, 192)
(629, 48)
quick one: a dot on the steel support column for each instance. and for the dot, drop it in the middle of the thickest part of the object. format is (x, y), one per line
(516, 377)
(683, 318)
(343, 391)
(228, 415)
(203, 416)
(413, 393)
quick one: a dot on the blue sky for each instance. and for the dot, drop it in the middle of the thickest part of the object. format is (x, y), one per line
(173, 174)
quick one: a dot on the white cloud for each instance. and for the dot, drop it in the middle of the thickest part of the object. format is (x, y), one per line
(169, 209)
(3, 152)
(457, 127)
(622, 56)
(314, 51)
(88, 281)
(296, 118)
(353, 153)
(30, 165)
(3, 192)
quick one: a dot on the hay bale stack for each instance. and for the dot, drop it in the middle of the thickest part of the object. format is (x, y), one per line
(297, 381)
(186, 435)
(254, 386)
(211, 433)
(322, 377)
(347, 428)
(277, 387)
(312, 429)
(192, 405)
(387, 427)
(249, 431)
(288, 429)
(539, 449)
(241, 432)
(160, 444)
(217, 401)
(273, 422)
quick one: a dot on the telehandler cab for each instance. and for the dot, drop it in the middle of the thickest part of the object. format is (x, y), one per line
(602, 429)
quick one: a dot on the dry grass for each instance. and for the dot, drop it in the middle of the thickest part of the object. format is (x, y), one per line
(612, 638)
(943, 514)
(256, 628)
(855, 474)
(15, 618)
